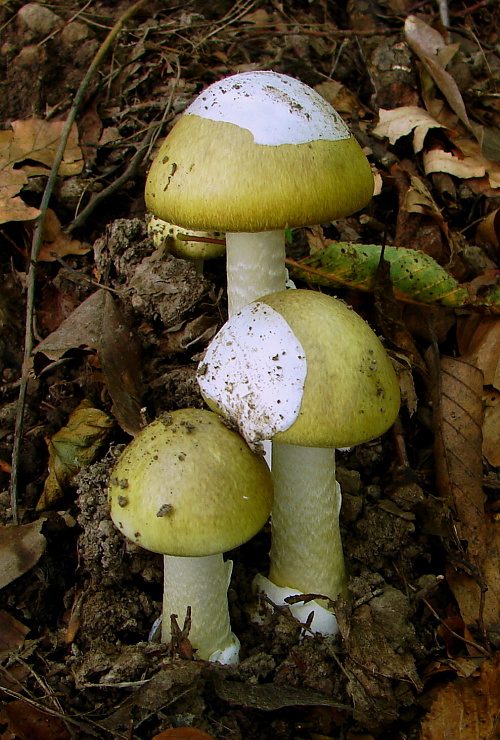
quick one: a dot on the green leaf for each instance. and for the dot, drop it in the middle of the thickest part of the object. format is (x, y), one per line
(415, 276)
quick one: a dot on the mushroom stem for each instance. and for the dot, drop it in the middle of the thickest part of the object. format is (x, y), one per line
(255, 265)
(202, 584)
(306, 550)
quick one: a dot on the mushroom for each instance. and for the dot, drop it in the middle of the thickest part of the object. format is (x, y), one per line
(303, 369)
(254, 154)
(190, 488)
(177, 241)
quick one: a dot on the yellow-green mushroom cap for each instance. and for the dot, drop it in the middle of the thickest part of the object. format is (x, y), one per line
(175, 240)
(187, 485)
(301, 368)
(258, 151)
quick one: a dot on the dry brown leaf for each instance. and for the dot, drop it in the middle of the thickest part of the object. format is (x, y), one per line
(437, 160)
(341, 98)
(29, 723)
(98, 324)
(20, 549)
(34, 140)
(75, 445)
(458, 421)
(12, 634)
(479, 344)
(488, 231)
(467, 709)
(12, 207)
(403, 121)
(55, 243)
(430, 47)
(38, 140)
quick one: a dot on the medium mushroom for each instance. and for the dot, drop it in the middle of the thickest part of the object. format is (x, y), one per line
(303, 369)
(190, 488)
(254, 154)
(178, 241)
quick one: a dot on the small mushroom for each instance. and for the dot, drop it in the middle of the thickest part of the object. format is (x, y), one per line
(177, 241)
(191, 510)
(254, 154)
(303, 369)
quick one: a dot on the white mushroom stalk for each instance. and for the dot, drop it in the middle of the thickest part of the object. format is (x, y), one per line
(254, 154)
(305, 370)
(200, 583)
(190, 488)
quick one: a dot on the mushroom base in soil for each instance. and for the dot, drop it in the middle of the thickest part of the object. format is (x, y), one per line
(189, 488)
(303, 369)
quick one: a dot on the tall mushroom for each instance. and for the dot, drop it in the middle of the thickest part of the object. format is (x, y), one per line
(190, 488)
(254, 154)
(304, 370)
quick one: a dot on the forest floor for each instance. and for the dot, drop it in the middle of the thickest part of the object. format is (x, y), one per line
(120, 326)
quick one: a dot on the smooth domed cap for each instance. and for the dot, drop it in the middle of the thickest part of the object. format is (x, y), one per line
(322, 378)
(258, 151)
(189, 486)
(175, 240)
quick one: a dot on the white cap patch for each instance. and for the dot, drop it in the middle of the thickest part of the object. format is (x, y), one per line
(254, 371)
(275, 108)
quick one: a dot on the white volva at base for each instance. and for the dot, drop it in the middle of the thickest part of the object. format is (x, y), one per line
(323, 622)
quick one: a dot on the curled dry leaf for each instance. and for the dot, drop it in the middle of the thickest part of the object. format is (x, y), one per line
(72, 447)
(403, 121)
(55, 243)
(33, 140)
(430, 47)
(488, 231)
(20, 549)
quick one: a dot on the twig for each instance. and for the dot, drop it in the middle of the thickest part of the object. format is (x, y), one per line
(142, 151)
(37, 243)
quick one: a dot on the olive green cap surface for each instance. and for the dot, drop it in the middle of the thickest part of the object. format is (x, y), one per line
(351, 392)
(211, 175)
(189, 486)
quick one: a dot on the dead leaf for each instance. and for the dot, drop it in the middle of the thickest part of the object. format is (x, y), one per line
(430, 47)
(30, 723)
(98, 324)
(488, 231)
(38, 140)
(33, 140)
(75, 445)
(403, 121)
(341, 98)
(437, 160)
(475, 573)
(20, 549)
(12, 633)
(479, 344)
(467, 709)
(270, 697)
(55, 243)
